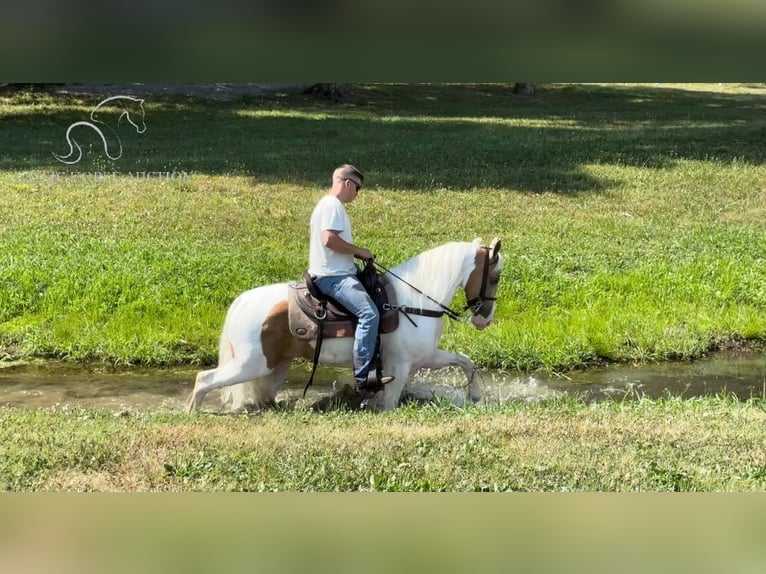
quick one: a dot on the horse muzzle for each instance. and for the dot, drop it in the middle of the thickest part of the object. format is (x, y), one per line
(480, 322)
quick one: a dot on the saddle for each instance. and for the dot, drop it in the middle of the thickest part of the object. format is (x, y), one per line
(309, 309)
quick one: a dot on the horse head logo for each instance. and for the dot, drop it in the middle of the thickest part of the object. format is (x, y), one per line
(132, 111)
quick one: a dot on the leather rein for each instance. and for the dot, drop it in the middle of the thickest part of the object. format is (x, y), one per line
(474, 304)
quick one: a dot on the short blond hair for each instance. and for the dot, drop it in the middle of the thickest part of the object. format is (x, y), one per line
(347, 170)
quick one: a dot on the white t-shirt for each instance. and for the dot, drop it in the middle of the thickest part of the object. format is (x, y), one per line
(329, 214)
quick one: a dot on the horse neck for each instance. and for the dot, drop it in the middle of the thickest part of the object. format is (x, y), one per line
(120, 105)
(438, 273)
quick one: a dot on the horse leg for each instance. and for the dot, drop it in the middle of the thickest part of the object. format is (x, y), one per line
(232, 373)
(266, 388)
(441, 359)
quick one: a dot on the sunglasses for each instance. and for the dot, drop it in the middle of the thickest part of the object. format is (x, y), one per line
(358, 185)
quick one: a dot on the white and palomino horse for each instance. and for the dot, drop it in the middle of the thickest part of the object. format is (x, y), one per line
(256, 347)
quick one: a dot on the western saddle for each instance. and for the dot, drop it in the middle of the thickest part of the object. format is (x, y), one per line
(314, 315)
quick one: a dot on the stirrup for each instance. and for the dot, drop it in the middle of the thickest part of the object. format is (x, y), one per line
(375, 384)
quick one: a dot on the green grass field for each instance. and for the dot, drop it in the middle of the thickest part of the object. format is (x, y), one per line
(631, 216)
(712, 444)
(632, 226)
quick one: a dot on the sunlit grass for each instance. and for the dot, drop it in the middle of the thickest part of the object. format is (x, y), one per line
(710, 444)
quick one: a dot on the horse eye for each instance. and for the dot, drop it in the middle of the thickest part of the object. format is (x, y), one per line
(494, 280)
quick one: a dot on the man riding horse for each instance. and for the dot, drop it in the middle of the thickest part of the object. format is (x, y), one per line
(332, 268)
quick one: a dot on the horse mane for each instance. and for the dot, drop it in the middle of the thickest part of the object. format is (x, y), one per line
(437, 272)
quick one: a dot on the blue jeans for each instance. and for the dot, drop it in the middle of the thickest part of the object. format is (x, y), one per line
(349, 292)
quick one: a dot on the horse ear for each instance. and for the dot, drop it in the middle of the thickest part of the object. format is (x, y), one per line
(494, 249)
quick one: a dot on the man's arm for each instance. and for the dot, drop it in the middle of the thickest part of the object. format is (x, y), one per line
(332, 240)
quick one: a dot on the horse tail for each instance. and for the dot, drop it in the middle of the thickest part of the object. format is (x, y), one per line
(67, 159)
(225, 350)
(73, 143)
(234, 397)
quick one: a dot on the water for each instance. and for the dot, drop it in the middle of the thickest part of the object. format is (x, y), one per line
(742, 374)
(62, 386)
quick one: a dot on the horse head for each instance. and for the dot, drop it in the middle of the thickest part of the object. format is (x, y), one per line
(481, 286)
(132, 109)
(136, 116)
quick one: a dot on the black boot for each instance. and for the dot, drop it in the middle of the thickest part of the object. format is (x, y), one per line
(374, 383)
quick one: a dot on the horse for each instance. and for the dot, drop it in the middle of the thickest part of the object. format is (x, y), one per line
(132, 110)
(256, 347)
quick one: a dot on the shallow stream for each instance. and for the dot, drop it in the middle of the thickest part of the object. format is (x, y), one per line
(61, 385)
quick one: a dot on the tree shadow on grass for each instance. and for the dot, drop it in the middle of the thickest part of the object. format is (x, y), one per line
(413, 138)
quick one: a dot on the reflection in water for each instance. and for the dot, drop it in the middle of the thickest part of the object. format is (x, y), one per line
(65, 386)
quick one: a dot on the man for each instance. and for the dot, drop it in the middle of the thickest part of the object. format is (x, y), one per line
(331, 262)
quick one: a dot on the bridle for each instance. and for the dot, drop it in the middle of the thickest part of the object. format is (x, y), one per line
(475, 305)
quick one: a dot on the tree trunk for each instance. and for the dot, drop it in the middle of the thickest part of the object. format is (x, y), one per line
(524, 89)
(333, 92)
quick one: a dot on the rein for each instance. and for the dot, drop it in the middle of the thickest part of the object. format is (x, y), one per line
(474, 304)
(454, 315)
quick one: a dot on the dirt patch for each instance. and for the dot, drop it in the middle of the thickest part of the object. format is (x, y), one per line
(220, 92)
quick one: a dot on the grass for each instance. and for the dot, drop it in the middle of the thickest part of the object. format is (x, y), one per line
(631, 216)
(632, 226)
(711, 444)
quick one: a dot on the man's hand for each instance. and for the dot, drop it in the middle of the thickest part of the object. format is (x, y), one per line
(364, 254)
